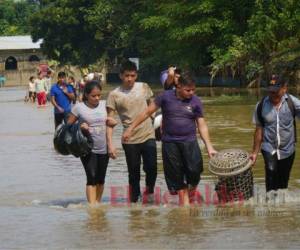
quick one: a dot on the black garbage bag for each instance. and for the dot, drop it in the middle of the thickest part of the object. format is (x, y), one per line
(78, 143)
(59, 140)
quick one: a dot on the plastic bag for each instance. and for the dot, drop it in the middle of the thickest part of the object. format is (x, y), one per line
(79, 143)
(69, 139)
(59, 140)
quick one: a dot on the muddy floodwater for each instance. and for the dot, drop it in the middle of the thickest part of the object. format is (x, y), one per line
(43, 204)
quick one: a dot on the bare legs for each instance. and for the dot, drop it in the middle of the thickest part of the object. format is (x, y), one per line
(183, 195)
(94, 193)
(186, 196)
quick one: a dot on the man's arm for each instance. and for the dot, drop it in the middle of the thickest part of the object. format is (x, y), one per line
(112, 152)
(170, 77)
(203, 131)
(257, 141)
(72, 119)
(70, 95)
(54, 103)
(139, 119)
(296, 103)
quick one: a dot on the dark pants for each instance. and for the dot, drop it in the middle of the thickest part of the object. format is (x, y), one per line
(134, 153)
(183, 164)
(59, 118)
(95, 166)
(277, 171)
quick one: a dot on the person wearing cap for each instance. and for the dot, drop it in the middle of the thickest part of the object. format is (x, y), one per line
(275, 135)
(169, 77)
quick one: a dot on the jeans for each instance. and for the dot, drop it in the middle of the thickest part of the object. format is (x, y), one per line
(134, 153)
(59, 118)
(277, 171)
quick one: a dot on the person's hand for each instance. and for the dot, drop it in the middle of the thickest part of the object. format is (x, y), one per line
(60, 109)
(84, 126)
(211, 151)
(111, 122)
(127, 134)
(65, 90)
(253, 158)
(112, 152)
(171, 71)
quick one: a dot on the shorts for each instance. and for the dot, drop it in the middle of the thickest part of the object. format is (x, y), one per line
(32, 94)
(95, 166)
(183, 164)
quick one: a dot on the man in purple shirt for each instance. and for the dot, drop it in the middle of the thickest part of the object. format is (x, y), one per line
(182, 114)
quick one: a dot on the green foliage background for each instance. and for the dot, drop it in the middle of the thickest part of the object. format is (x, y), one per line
(246, 39)
(14, 16)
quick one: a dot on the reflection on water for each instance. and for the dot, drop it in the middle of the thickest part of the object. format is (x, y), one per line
(97, 221)
(42, 198)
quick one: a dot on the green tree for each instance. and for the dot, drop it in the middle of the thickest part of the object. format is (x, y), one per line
(271, 43)
(81, 31)
(189, 32)
(248, 39)
(14, 16)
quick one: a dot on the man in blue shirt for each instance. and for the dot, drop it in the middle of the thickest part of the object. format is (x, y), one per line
(61, 97)
(275, 133)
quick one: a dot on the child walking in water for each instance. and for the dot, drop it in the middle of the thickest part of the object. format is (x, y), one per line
(92, 113)
(41, 88)
(31, 89)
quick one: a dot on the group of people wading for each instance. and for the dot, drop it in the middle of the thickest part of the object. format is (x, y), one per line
(183, 116)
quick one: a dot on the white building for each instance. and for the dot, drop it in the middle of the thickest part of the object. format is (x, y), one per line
(19, 59)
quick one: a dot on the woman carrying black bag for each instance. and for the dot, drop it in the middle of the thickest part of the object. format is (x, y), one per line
(93, 117)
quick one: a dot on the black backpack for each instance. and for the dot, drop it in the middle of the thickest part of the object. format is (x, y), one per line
(291, 107)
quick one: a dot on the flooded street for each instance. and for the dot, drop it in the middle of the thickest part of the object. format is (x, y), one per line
(43, 204)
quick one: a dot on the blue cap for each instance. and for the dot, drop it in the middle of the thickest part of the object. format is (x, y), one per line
(276, 83)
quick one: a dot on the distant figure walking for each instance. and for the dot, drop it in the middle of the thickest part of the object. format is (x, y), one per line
(72, 83)
(31, 89)
(61, 96)
(41, 88)
(48, 83)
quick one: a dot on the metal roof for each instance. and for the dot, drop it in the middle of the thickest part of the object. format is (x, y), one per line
(18, 42)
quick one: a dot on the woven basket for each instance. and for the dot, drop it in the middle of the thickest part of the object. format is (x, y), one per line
(235, 178)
